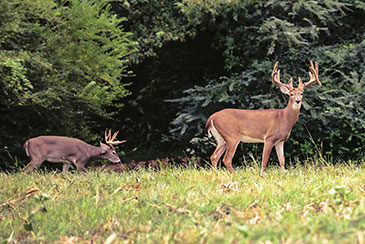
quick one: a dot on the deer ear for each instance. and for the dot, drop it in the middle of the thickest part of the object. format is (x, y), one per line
(284, 89)
(103, 146)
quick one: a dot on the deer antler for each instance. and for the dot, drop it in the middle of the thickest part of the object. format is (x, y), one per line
(276, 78)
(110, 139)
(313, 75)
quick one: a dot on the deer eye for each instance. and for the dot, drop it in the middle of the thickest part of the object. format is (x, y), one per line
(301, 93)
(292, 94)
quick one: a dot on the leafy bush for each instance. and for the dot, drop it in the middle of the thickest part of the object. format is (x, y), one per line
(61, 67)
(292, 33)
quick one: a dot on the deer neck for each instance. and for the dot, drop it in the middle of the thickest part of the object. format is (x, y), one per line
(291, 113)
(94, 152)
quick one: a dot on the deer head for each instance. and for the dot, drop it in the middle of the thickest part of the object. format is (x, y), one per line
(108, 150)
(295, 94)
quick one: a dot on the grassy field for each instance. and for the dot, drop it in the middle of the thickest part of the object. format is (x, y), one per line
(315, 203)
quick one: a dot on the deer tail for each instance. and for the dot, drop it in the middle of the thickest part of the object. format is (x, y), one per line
(26, 145)
(208, 125)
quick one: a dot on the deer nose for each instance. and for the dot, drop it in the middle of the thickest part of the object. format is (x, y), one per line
(297, 101)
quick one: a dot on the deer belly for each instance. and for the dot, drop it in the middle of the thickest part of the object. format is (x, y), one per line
(248, 139)
(58, 160)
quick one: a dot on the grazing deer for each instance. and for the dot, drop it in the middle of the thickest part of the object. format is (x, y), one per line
(269, 126)
(66, 150)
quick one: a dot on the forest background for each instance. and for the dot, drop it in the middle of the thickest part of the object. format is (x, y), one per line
(156, 70)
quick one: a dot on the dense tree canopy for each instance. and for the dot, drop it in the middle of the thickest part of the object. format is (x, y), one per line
(201, 56)
(63, 70)
(61, 67)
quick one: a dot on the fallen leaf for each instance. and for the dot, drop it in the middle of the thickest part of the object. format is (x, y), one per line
(360, 237)
(131, 231)
(130, 199)
(177, 210)
(70, 239)
(110, 238)
(362, 189)
(252, 205)
(118, 189)
(136, 186)
(30, 191)
(231, 186)
(279, 184)
(321, 207)
(57, 178)
(255, 220)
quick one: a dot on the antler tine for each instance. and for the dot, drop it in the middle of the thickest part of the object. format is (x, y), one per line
(276, 77)
(300, 81)
(316, 63)
(275, 72)
(107, 135)
(290, 84)
(313, 74)
(118, 142)
(314, 67)
(114, 135)
(109, 139)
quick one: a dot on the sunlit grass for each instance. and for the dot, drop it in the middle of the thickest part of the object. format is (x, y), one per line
(314, 203)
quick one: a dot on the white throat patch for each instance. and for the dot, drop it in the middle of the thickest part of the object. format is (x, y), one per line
(296, 106)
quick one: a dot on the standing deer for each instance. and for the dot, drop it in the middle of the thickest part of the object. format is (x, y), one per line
(269, 126)
(66, 150)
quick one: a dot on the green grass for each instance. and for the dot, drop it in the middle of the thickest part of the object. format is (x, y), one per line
(308, 204)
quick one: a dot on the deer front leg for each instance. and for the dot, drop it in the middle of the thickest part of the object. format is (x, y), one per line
(279, 147)
(65, 167)
(231, 149)
(221, 147)
(31, 165)
(80, 165)
(265, 156)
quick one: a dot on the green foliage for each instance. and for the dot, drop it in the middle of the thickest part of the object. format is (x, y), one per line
(63, 70)
(171, 57)
(80, 46)
(314, 203)
(31, 216)
(17, 87)
(292, 33)
(154, 24)
(216, 54)
(61, 64)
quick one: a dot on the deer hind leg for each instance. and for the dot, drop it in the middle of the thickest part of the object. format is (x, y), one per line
(31, 165)
(231, 149)
(265, 156)
(279, 147)
(221, 147)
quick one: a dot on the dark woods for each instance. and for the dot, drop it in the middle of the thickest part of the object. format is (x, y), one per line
(156, 70)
